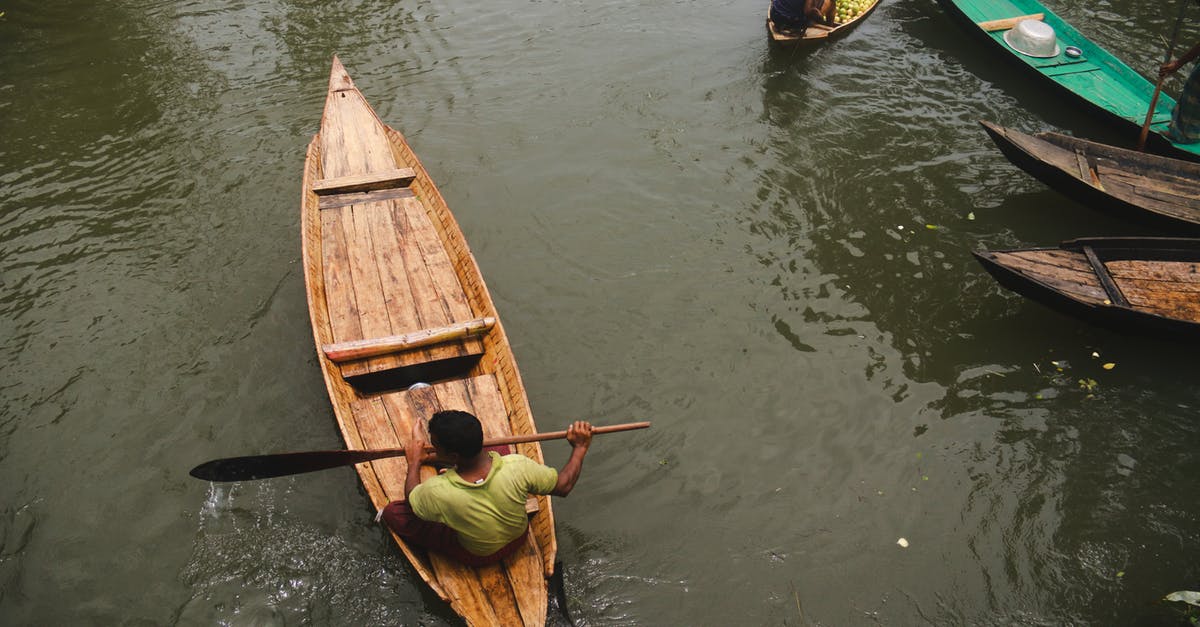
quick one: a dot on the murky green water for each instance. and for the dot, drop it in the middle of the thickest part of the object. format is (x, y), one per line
(677, 223)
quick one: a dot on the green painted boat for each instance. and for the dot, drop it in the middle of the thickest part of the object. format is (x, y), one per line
(1080, 68)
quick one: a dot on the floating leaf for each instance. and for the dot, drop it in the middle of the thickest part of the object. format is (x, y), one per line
(1095, 355)
(920, 454)
(971, 216)
(902, 542)
(1037, 396)
(900, 227)
(1088, 384)
(1109, 366)
(931, 227)
(1120, 573)
(924, 477)
(1190, 597)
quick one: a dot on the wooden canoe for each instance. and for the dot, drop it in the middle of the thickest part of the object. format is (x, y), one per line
(1148, 188)
(395, 298)
(1096, 78)
(816, 33)
(1144, 285)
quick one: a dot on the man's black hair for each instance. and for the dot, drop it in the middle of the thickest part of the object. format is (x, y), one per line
(457, 432)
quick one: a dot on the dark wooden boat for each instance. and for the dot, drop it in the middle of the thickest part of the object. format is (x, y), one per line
(396, 297)
(816, 33)
(1095, 78)
(1148, 285)
(1134, 185)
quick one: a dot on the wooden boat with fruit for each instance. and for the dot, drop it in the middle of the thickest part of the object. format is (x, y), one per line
(818, 33)
(1147, 285)
(395, 298)
(1148, 188)
(1076, 69)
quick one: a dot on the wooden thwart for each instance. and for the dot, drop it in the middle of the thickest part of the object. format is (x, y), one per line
(1008, 22)
(362, 349)
(1106, 280)
(386, 179)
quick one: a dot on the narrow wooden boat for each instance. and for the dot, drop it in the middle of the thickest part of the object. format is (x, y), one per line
(816, 33)
(1148, 188)
(396, 298)
(1095, 78)
(1147, 285)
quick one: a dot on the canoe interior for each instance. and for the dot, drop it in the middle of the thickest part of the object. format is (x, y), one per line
(816, 33)
(385, 262)
(1137, 185)
(1097, 77)
(1153, 282)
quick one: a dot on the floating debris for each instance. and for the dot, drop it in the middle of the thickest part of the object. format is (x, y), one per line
(1109, 366)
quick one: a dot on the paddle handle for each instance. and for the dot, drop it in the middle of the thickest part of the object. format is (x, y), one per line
(1141, 144)
(560, 435)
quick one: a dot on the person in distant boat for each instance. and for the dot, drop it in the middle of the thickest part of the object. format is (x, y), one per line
(475, 512)
(1185, 119)
(792, 17)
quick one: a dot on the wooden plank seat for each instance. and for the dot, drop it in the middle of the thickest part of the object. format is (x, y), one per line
(384, 179)
(1009, 22)
(363, 349)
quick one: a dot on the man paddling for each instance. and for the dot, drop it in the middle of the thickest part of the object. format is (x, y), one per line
(475, 512)
(1185, 118)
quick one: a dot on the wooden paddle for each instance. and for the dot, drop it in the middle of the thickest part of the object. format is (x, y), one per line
(280, 464)
(1141, 145)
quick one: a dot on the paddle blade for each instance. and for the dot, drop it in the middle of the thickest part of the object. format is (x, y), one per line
(278, 465)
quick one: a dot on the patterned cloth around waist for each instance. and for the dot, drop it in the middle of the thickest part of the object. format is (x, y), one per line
(1185, 119)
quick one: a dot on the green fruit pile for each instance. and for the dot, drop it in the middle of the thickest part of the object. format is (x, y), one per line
(850, 9)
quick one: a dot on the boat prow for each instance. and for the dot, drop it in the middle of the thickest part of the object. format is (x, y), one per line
(1147, 285)
(1151, 189)
(395, 297)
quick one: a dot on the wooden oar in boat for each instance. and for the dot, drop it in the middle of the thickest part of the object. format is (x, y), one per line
(1141, 145)
(252, 467)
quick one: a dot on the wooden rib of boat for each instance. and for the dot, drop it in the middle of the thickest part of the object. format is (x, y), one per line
(1148, 285)
(1148, 188)
(1096, 78)
(395, 298)
(816, 33)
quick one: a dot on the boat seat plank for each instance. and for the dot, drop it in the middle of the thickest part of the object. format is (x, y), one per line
(1106, 280)
(1008, 22)
(357, 198)
(370, 181)
(361, 349)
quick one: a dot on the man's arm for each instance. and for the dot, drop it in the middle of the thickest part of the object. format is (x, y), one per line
(414, 452)
(579, 435)
(1173, 66)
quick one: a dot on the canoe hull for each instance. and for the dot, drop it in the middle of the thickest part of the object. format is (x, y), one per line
(377, 264)
(1154, 282)
(815, 35)
(1150, 189)
(1107, 87)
